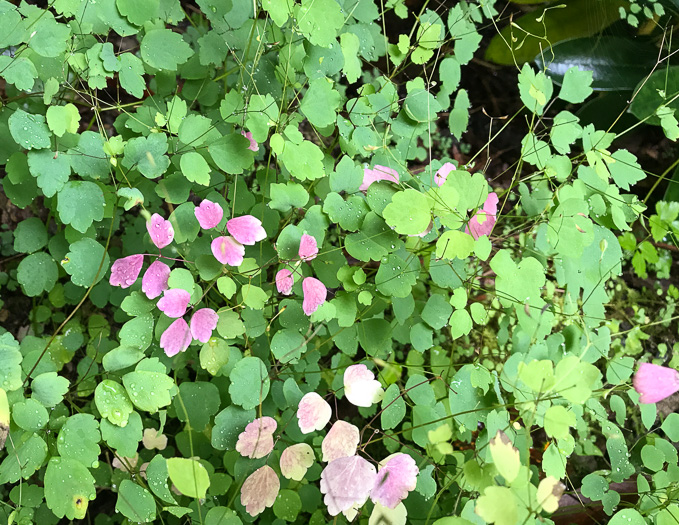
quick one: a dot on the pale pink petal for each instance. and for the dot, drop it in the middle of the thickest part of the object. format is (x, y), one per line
(360, 386)
(308, 248)
(483, 221)
(654, 382)
(203, 322)
(160, 230)
(256, 441)
(347, 482)
(313, 413)
(284, 281)
(376, 174)
(125, 271)
(153, 440)
(155, 279)
(315, 294)
(394, 480)
(253, 143)
(228, 250)
(260, 490)
(443, 172)
(340, 441)
(174, 302)
(295, 460)
(246, 229)
(208, 214)
(176, 338)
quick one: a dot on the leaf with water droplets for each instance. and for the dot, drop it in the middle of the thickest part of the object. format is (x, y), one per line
(79, 439)
(148, 389)
(69, 487)
(112, 402)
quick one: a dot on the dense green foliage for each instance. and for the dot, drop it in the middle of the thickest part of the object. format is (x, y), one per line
(490, 311)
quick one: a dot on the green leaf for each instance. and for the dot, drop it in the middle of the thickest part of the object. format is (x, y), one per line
(37, 273)
(63, 119)
(124, 440)
(196, 403)
(148, 387)
(30, 415)
(157, 474)
(229, 423)
(29, 131)
(671, 426)
(320, 103)
(231, 153)
(147, 154)
(78, 439)
(497, 505)
(112, 402)
(164, 49)
(625, 169)
(396, 276)
(558, 420)
(288, 345)
(194, 130)
(195, 168)
(135, 502)
(50, 169)
(189, 476)
(408, 212)
(535, 89)
(86, 262)
(352, 64)
(249, 382)
(80, 203)
(131, 75)
(627, 517)
(49, 38)
(88, 158)
(23, 458)
(138, 13)
(319, 21)
(393, 407)
(30, 235)
(49, 388)
(10, 363)
(69, 487)
(19, 71)
(454, 244)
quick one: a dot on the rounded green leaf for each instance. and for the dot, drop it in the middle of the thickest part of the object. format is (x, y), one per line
(135, 502)
(189, 476)
(29, 414)
(29, 131)
(195, 168)
(408, 212)
(69, 487)
(164, 49)
(86, 262)
(249, 382)
(112, 402)
(80, 203)
(37, 273)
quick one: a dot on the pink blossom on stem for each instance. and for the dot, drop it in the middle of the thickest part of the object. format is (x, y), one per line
(376, 174)
(176, 338)
(208, 214)
(246, 229)
(313, 413)
(315, 294)
(483, 221)
(253, 143)
(203, 322)
(174, 302)
(125, 271)
(443, 172)
(654, 382)
(160, 230)
(228, 250)
(256, 441)
(284, 281)
(394, 480)
(308, 248)
(154, 281)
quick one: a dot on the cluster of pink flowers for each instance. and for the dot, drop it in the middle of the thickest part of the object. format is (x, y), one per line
(314, 291)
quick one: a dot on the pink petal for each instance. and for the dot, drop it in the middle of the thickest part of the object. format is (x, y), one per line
(246, 229)
(483, 221)
(654, 382)
(208, 214)
(377, 174)
(284, 281)
(253, 143)
(174, 302)
(257, 439)
(395, 480)
(347, 482)
(308, 248)
(176, 338)
(260, 490)
(160, 230)
(315, 294)
(155, 279)
(203, 322)
(340, 441)
(313, 413)
(228, 250)
(295, 460)
(443, 172)
(125, 271)
(360, 386)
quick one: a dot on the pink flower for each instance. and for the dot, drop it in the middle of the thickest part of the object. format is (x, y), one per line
(203, 322)
(174, 302)
(443, 172)
(125, 271)
(394, 480)
(160, 230)
(482, 221)
(377, 174)
(347, 482)
(360, 386)
(256, 441)
(228, 250)
(253, 144)
(176, 338)
(654, 382)
(155, 279)
(308, 248)
(315, 294)
(246, 229)
(284, 281)
(313, 413)
(208, 214)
